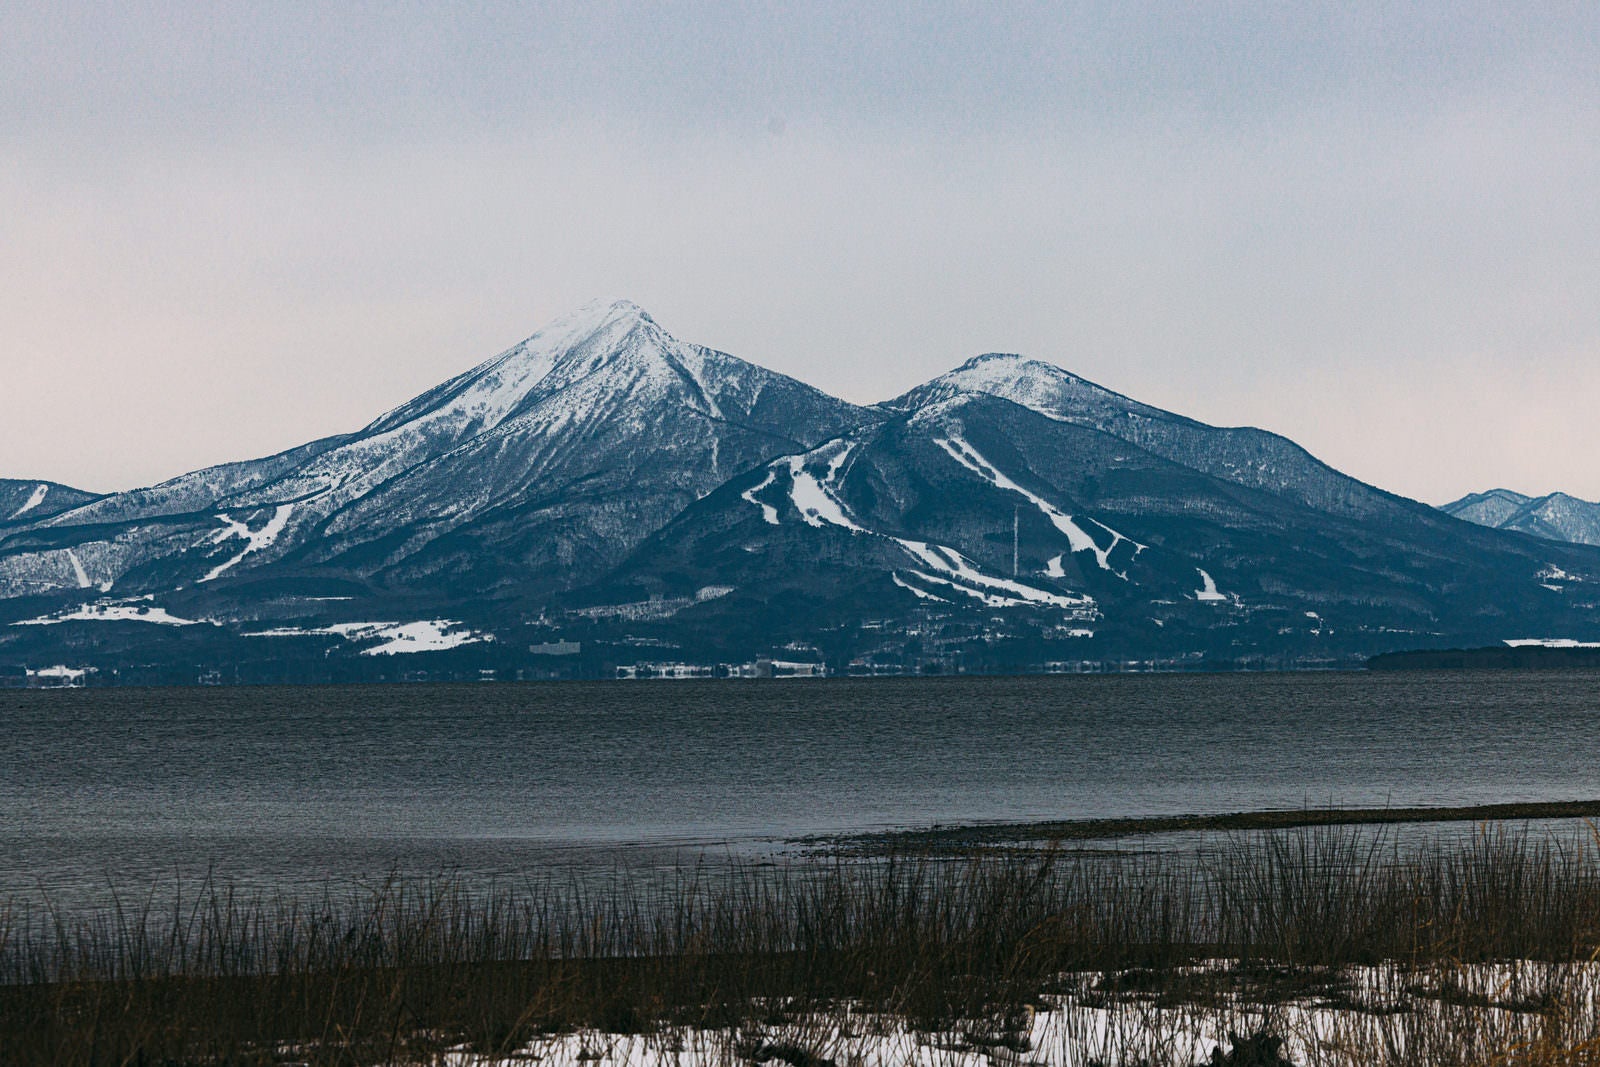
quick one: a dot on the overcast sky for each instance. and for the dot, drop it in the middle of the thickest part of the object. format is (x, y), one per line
(229, 229)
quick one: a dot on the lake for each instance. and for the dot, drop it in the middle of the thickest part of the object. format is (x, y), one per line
(279, 787)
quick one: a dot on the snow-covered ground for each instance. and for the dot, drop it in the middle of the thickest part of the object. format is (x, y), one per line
(433, 635)
(426, 635)
(114, 611)
(964, 576)
(1550, 642)
(1379, 1015)
(60, 673)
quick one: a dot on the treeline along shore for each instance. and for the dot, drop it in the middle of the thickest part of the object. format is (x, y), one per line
(1492, 658)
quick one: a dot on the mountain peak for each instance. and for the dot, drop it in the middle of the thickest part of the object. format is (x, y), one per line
(1555, 516)
(1493, 507)
(1006, 359)
(1031, 383)
(1005, 370)
(1510, 495)
(606, 320)
(579, 341)
(600, 312)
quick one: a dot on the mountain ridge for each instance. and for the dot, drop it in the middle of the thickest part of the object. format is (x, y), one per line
(603, 480)
(1554, 517)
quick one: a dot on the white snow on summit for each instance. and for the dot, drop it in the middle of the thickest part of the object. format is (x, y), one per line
(573, 370)
(1031, 383)
(1554, 516)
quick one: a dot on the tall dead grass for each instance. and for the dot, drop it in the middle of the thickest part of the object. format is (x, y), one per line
(406, 970)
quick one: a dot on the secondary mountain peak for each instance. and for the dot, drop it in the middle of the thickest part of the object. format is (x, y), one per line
(1243, 455)
(1032, 383)
(1554, 516)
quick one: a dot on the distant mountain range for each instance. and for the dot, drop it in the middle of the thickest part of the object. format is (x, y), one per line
(604, 496)
(1555, 516)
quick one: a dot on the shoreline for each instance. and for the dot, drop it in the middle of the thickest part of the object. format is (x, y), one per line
(1048, 832)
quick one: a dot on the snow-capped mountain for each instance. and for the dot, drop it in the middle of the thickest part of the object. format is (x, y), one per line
(1010, 485)
(1244, 455)
(1555, 516)
(605, 486)
(533, 471)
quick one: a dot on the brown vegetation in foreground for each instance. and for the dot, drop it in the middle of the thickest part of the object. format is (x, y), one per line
(406, 971)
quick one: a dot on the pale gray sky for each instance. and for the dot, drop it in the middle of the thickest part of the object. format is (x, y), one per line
(228, 229)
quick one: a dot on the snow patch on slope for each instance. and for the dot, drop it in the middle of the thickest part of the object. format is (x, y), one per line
(819, 505)
(1552, 573)
(1208, 590)
(1077, 537)
(814, 498)
(33, 501)
(78, 571)
(255, 541)
(921, 594)
(692, 359)
(963, 574)
(432, 635)
(768, 512)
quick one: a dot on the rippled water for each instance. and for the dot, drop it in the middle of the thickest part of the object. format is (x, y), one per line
(289, 786)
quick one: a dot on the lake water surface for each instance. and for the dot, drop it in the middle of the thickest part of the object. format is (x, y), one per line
(287, 786)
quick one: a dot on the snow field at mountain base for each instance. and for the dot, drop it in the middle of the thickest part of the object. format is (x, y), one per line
(426, 635)
(123, 611)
